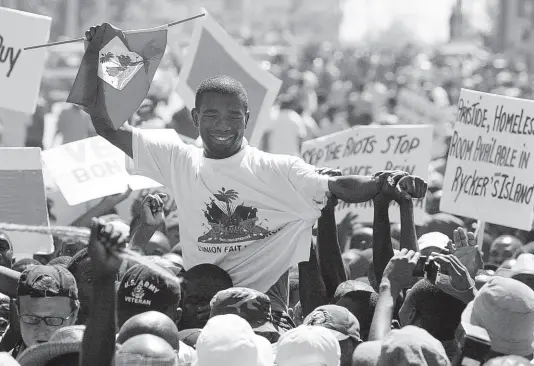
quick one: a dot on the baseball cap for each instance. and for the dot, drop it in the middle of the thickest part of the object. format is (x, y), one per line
(351, 286)
(249, 304)
(337, 319)
(228, 340)
(308, 345)
(142, 289)
(47, 281)
(412, 346)
(64, 341)
(505, 308)
(434, 239)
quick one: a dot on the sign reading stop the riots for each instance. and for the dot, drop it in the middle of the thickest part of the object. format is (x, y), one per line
(368, 149)
(20, 70)
(23, 201)
(213, 52)
(92, 168)
(489, 176)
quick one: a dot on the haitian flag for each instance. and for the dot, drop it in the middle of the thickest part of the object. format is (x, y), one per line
(116, 72)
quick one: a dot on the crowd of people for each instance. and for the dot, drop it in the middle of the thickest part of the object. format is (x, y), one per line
(274, 280)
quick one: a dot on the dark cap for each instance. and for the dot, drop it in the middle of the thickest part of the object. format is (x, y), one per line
(47, 281)
(339, 320)
(142, 289)
(351, 286)
(251, 305)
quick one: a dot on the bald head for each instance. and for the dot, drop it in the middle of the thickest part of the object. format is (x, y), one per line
(147, 346)
(150, 322)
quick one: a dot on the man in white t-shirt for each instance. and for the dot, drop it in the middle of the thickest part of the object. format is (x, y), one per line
(249, 212)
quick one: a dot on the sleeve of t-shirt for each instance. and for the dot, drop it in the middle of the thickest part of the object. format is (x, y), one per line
(155, 152)
(307, 182)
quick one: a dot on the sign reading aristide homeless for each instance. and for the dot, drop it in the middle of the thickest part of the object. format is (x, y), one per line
(489, 176)
(213, 52)
(368, 149)
(22, 199)
(21, 71)
(92, 168)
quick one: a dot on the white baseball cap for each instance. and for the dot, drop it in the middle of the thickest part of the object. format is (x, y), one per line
(308, 346)
(228, 340)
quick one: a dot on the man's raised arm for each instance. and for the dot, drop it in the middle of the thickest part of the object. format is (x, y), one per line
(121, 138)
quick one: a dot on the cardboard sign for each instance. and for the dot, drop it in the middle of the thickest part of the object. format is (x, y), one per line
(22, 199)
(91, 168)
(21, 71)
(365, 150)
(489, 176)
(413, 108)
(213, 52)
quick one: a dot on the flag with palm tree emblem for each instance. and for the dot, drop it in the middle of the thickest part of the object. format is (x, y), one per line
(116, 72)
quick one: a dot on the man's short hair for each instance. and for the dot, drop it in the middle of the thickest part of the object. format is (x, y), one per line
(439, 312)
(221, 84)
(209, 273)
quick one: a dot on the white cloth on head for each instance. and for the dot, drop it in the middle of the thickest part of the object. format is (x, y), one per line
(250, 214)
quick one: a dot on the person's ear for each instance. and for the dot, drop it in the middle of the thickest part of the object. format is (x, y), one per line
(179, 313)
(194, 116)
(247, 116)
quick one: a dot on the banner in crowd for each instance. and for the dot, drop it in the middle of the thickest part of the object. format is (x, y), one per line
(213, 52)
(92, 168)
(21, 71)
(413, 108)
(489, 176)
(23, 199)
(365, 150)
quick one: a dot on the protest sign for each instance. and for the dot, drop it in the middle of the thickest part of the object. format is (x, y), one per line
(92, 168)
(23, 200)
(488, 175)
(413, 108)
(213, 52)
(365, 150)
(21, 71)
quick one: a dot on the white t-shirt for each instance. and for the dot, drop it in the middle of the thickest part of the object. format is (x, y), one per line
(250, 214)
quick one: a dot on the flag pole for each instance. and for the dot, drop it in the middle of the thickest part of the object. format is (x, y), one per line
(83, 38)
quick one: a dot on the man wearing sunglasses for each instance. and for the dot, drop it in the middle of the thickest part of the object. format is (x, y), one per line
(47, 300)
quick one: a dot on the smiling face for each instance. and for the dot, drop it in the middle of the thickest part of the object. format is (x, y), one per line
(221, 120)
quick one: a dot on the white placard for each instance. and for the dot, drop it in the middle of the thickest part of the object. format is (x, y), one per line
(213, 52)
(21, 71)
(489, 176)
(366, 150)
(92, 168)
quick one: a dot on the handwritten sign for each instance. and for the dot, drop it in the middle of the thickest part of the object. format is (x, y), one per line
(21, 71)
(91, 168)
(213, 52)
(413, 108)
(489, 176)
(22, 199)
(367, 150)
